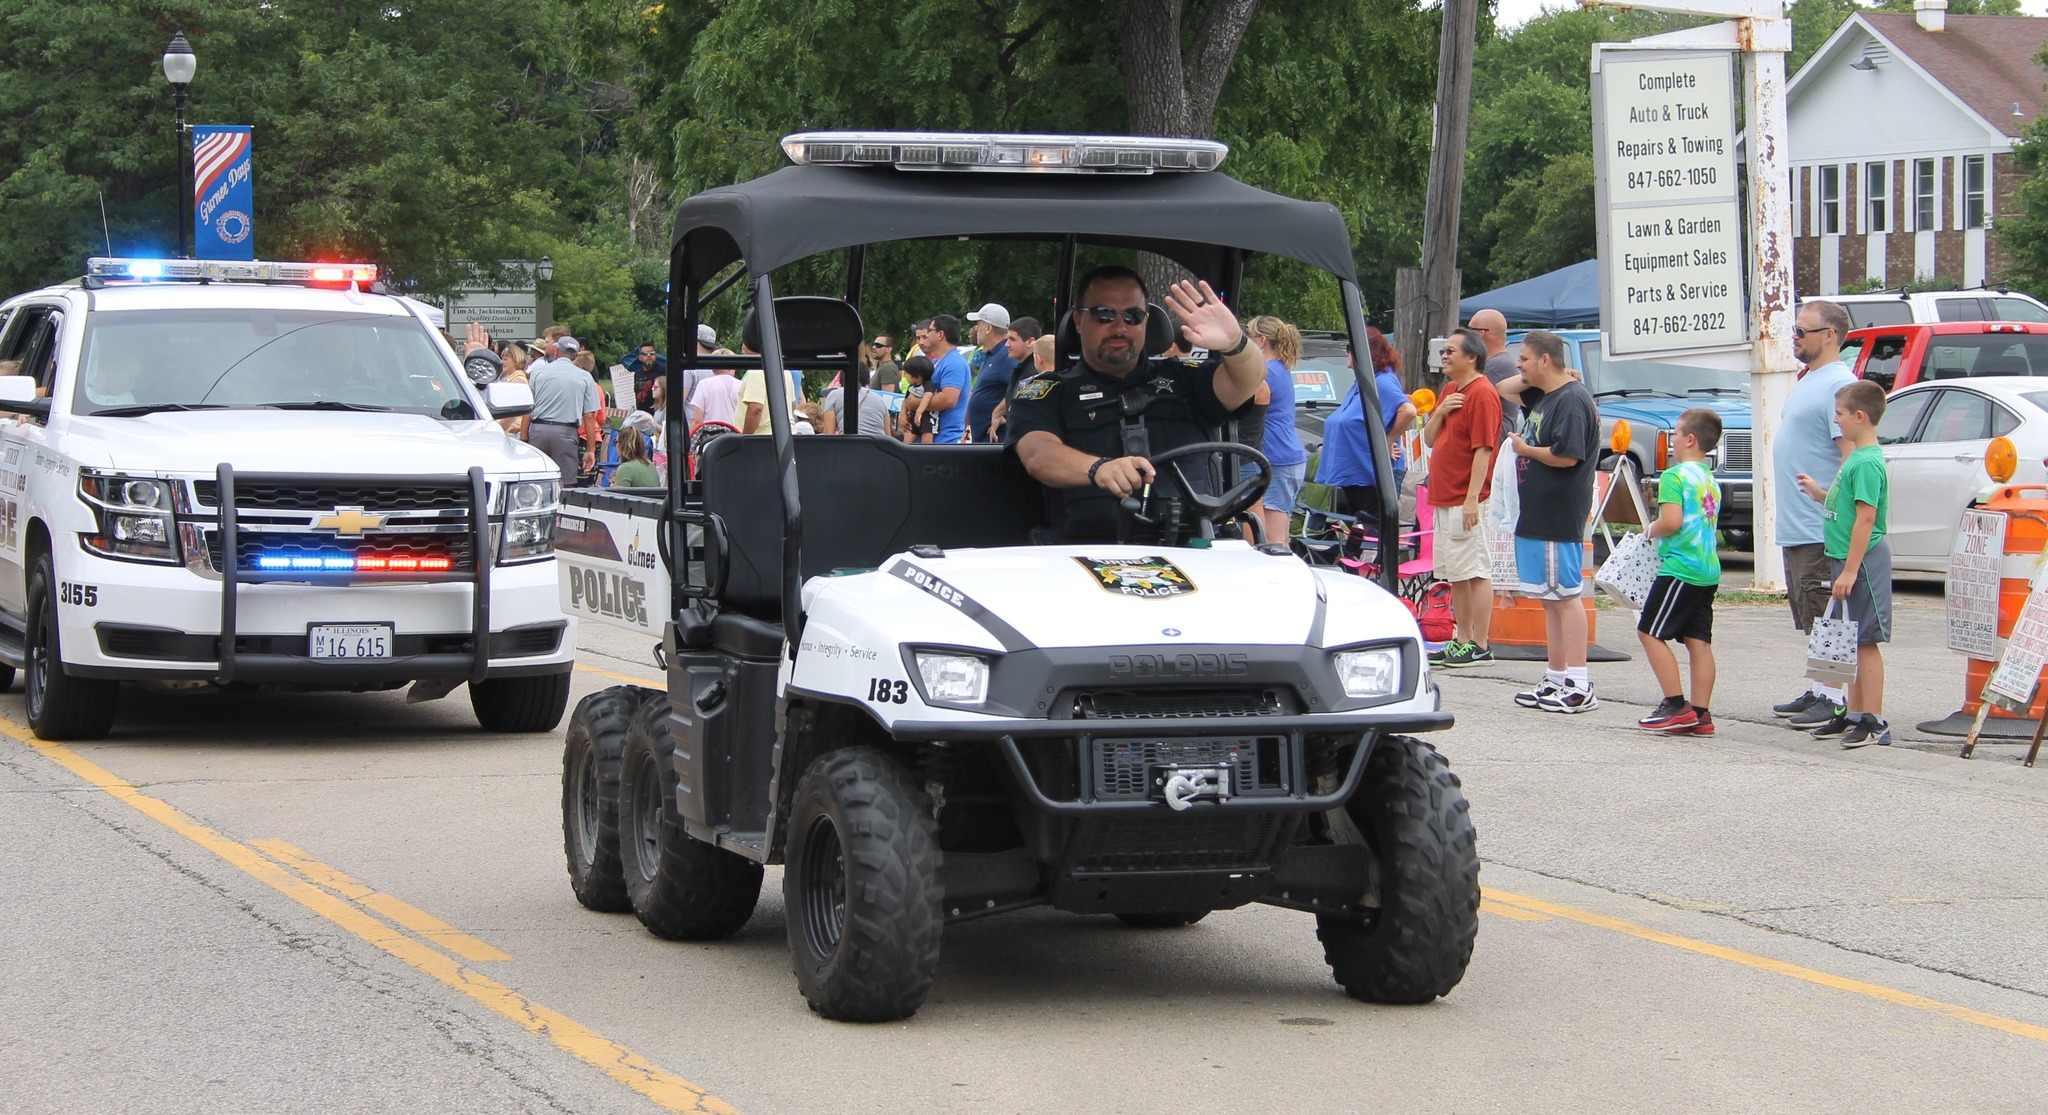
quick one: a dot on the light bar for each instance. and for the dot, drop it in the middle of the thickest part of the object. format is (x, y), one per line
(230, 270)
(354, 563)
(1070, 154)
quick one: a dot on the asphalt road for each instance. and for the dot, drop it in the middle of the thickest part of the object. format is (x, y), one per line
(321, 903)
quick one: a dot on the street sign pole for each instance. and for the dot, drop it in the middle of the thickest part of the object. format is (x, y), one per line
(1759, 31)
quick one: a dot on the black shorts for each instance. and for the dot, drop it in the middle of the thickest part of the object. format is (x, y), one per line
(1677, 610)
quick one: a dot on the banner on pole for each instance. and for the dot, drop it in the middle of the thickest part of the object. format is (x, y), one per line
(223, 194)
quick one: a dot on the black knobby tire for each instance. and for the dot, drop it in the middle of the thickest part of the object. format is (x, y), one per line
(681, 888)
(1416, 946)
(60, 706)
(1162, 921)
(861, 888)
(522, 704)
(591, 752)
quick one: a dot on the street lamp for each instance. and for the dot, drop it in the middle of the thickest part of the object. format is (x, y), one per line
(546, 271)
(179, 66)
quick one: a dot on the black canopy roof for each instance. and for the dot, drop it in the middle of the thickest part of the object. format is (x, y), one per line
(1195, 219)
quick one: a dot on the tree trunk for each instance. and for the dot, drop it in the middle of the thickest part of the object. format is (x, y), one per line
(1171, 93)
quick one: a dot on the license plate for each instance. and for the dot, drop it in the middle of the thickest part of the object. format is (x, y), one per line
(349, 640)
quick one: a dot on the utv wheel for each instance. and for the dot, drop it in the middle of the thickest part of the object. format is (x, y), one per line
(1416, 945)
(861, 888)
(60, 706)
(681, 888)
(591, 754)
(1162, 921)
(526, 704)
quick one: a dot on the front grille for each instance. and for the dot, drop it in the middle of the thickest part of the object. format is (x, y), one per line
(1200, 840)
(1735, 451)
(1124, 767)
(1176, 704)
(250, 545)
(386, 498)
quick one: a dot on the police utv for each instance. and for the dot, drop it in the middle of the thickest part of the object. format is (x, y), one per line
(878, 680)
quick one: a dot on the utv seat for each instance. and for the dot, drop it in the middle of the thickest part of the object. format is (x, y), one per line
(863, 499)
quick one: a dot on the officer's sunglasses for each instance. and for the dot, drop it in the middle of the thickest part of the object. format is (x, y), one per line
(1103, 315)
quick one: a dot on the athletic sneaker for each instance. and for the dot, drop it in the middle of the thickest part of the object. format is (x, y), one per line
(1796, 705)
(1442, 654)
(1533, 698)
(1681, 719)
(1665, 710)
(1865, 732)
(1570, 698)
(1835, 727)
(1704, 727)
(1822, 711)
(1466, 654)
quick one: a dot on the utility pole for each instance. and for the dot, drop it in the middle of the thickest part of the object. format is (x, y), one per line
(1435, 313)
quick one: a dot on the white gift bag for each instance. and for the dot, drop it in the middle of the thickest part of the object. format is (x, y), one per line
(1831, 647)
(1629, 571)
(1503, 508)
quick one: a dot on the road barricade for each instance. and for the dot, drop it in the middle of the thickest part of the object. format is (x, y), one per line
(2021, 514)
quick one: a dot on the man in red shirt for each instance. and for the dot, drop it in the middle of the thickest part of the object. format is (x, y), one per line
(1460, 434)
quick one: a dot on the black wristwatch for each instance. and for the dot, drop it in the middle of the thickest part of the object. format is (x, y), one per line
(1244, 338)
(1099, 462)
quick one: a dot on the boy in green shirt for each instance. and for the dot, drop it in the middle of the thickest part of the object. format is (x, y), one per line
(1681, 602)
(1856, 516)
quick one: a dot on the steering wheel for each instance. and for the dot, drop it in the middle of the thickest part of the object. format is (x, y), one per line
(1187, 505)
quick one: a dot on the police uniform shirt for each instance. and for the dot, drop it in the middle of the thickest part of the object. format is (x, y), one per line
(1085, 410)
(562, 392)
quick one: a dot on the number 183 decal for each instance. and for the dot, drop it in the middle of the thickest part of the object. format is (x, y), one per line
(888, 692)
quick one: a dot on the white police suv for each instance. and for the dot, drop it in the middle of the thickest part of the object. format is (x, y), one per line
(264, 474)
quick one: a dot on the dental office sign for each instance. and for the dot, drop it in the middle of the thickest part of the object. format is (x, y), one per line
(223, 196)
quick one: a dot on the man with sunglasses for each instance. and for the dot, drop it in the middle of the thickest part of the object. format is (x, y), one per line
(1808, 441)
(1087, 431)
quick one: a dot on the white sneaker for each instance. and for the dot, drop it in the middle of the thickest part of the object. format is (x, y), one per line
(1570, 698)
(1533, 698)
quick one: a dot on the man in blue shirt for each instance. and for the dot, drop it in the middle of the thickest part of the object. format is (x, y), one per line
(1347, 447)
(950, 381)
(992, 368)
(1808, 441)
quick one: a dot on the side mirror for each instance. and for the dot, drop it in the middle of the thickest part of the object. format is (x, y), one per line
(18, 395)
(508, 400)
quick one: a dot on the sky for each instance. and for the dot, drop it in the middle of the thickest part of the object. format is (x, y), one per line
(1514, 13)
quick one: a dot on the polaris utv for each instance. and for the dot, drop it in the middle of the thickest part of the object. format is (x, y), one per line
(881, 681)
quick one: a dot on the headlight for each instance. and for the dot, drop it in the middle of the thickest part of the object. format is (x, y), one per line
(955, 678)
(133, 515)
(529, 532)
(1369, 673)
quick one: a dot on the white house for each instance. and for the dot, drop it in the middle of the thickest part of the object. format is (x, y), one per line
(1902, 130)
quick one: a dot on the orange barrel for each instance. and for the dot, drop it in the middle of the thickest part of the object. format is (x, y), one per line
(1518, 620)
(2025, 507)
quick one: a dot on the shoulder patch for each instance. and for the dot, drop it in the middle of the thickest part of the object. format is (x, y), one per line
(1037, 388)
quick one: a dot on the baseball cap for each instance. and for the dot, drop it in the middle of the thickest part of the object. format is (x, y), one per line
(992, 314)
(568, 344)
(707, 336)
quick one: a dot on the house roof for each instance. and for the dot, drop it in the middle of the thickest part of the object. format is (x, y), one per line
(1986, 61)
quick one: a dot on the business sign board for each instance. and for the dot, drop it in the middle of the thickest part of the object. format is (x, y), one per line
(1669, 210)
(507, 305)
(223, 191)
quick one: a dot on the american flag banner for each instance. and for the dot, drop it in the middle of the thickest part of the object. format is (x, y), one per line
(223, 193)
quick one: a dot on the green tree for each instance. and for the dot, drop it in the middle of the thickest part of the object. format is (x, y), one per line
(1528, 170)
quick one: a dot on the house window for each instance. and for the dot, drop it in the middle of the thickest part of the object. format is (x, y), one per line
(1973, 191)
(1923, 196)
(1877, 196)
(1830, 200)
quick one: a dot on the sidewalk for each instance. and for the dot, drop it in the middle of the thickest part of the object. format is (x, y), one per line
(1761, 661)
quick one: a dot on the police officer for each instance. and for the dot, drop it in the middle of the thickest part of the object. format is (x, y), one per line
(1087, 431)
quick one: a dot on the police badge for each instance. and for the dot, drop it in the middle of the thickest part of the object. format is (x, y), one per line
(1150, 577)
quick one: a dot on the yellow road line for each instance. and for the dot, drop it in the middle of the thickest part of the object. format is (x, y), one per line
(404, 913)
(671, 1092)
(615, 676)
(1764, 963)
(1512, 913)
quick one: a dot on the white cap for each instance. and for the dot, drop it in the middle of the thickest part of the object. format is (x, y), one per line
(992, 314)
(568, 345)
(707, 336)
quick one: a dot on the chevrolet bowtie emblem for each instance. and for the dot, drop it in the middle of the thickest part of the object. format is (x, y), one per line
(348, 521)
